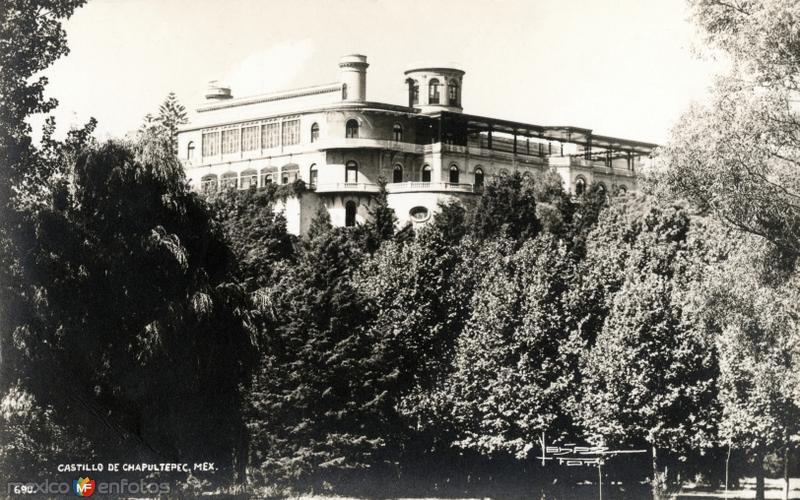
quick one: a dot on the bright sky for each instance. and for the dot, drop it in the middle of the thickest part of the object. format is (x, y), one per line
(620, 67)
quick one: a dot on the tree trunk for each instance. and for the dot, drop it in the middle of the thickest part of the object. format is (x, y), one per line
(656, 485)
(786, 472)
(759, 475)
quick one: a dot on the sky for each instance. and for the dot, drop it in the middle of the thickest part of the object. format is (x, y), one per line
(624, 68)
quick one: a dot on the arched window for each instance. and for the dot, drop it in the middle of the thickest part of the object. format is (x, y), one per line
(344, 91)
(580, 186)
(312, 175)
(208, 184)
(268, 175)
(397, 173)
(314, 132)
(426, 173)
(503, 172)
(433, 91)
(351, 172)
(622, 190)
(190, 150)
(230, 180)
(351, 129)
(453, 174)
(397, 132)
(601, 188)
(350, 213)
(478, 178)
(452, 93)
(249, 179)
(413, 92)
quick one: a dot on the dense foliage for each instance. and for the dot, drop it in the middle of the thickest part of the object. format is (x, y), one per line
(144, 322)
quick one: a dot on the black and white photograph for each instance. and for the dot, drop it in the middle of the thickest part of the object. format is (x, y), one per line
(419, 250)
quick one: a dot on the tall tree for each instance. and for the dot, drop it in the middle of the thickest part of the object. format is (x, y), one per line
(31, 39)
(515, 363)
(133, 284)
(381, 224)
(649, 376)
(755, 320)
(738, 155)
(172, 114)
(317, 408)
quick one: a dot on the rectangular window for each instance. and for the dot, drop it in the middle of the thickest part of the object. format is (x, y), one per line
(249, 180)
(270, 135)
(250, 138)
(291, 132)
(211, 144)
(230, 141)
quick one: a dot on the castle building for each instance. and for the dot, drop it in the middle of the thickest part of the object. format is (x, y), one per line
(428, 150)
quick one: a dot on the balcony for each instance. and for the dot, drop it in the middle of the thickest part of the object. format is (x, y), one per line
(598, 166)
(346, 187)
(396, 187)
(413, 187)
(361, 143)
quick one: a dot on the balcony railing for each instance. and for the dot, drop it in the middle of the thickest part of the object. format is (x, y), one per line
(395, 187)
(410, 187)
(356, 142)
(346, 187)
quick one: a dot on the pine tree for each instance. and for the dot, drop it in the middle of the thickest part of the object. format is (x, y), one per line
(382, 220)
(172, 114)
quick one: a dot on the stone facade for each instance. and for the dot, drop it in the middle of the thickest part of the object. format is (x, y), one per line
(428, 150)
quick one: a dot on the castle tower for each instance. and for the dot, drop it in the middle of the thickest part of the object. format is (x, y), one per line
(353, 75)
(434, 88)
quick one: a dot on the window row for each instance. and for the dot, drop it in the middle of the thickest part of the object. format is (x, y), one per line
(270, 135)
(434, 92)
(249, 178)
(581, 186)
(290, 173)
(453, 178)
(249, 138)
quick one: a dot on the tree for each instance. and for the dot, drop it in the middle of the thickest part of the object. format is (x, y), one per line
(382, 220)
(738, 155)
(172, 114)
(255, 233)
(318, 405)
(31, 39)
(164, 125)
(507, 207)
(133, 288)
(417, 298)
(515, 363)
(650, 375)
(755, 322)
(554, 208)
(759, 35)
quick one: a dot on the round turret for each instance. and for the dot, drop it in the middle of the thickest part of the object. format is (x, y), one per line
(434, 88)
(353, 75)
(217, 92)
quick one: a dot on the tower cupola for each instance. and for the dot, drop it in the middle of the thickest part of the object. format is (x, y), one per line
(434, 88)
